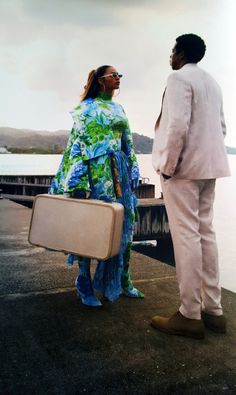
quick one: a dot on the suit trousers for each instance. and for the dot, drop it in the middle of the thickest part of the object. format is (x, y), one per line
(189, 206)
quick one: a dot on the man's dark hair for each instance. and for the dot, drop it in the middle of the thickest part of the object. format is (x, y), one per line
(192, 45)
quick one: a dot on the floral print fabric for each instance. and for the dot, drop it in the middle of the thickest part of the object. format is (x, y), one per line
(99, 138)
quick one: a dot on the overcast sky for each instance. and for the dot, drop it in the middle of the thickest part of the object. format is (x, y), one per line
(49, 46)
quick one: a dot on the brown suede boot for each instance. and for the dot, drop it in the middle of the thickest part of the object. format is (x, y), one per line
(177, 324)
(217, 323)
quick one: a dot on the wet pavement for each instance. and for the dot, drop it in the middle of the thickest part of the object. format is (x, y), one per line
(51, 344)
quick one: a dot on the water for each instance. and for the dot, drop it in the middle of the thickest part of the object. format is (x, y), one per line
(27, 165)
(225, 213)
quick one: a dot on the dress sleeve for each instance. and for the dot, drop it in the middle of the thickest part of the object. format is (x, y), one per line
(93, 130)
(72, 174)
(128, 148)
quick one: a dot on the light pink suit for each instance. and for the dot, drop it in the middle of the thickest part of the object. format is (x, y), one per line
(189, 147)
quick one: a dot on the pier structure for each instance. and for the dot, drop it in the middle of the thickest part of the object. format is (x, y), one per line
(152, 221)
(22, 188)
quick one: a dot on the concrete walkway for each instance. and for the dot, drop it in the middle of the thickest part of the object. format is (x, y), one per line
(51, 344)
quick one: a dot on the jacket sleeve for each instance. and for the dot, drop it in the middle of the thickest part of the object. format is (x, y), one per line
(179, 98)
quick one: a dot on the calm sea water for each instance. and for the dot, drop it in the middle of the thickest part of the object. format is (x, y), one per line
(225, 212)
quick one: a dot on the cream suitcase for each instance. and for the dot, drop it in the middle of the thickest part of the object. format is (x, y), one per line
(86, 227)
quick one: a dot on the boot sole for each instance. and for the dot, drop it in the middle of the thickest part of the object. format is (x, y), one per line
(179, 333)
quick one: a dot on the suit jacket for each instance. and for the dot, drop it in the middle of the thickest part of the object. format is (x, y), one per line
(189, 137)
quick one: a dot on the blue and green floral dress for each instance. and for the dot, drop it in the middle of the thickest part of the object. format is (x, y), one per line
(99, 159)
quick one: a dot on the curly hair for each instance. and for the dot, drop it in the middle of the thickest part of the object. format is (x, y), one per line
(92, 87)
(193, 46)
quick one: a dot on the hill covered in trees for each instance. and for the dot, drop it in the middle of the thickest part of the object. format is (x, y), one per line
(44, 142)
(27, 141)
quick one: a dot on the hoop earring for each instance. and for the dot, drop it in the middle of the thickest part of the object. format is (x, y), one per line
(117, 93)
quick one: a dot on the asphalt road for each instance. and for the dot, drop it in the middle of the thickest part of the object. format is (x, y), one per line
(51, 344)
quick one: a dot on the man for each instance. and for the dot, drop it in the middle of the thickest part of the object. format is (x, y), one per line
(189, 154)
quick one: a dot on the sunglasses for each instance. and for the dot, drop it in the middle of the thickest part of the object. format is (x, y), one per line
(113, 75)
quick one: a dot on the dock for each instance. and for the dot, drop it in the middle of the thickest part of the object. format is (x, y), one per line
(152, 223)
(51, 344)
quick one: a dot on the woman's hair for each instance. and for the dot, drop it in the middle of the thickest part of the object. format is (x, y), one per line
(192, 45)
(93, 87)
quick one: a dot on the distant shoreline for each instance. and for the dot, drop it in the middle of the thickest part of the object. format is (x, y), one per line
(42, 151)
(25, 141)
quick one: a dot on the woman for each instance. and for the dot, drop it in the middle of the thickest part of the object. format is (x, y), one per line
(99, 162)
